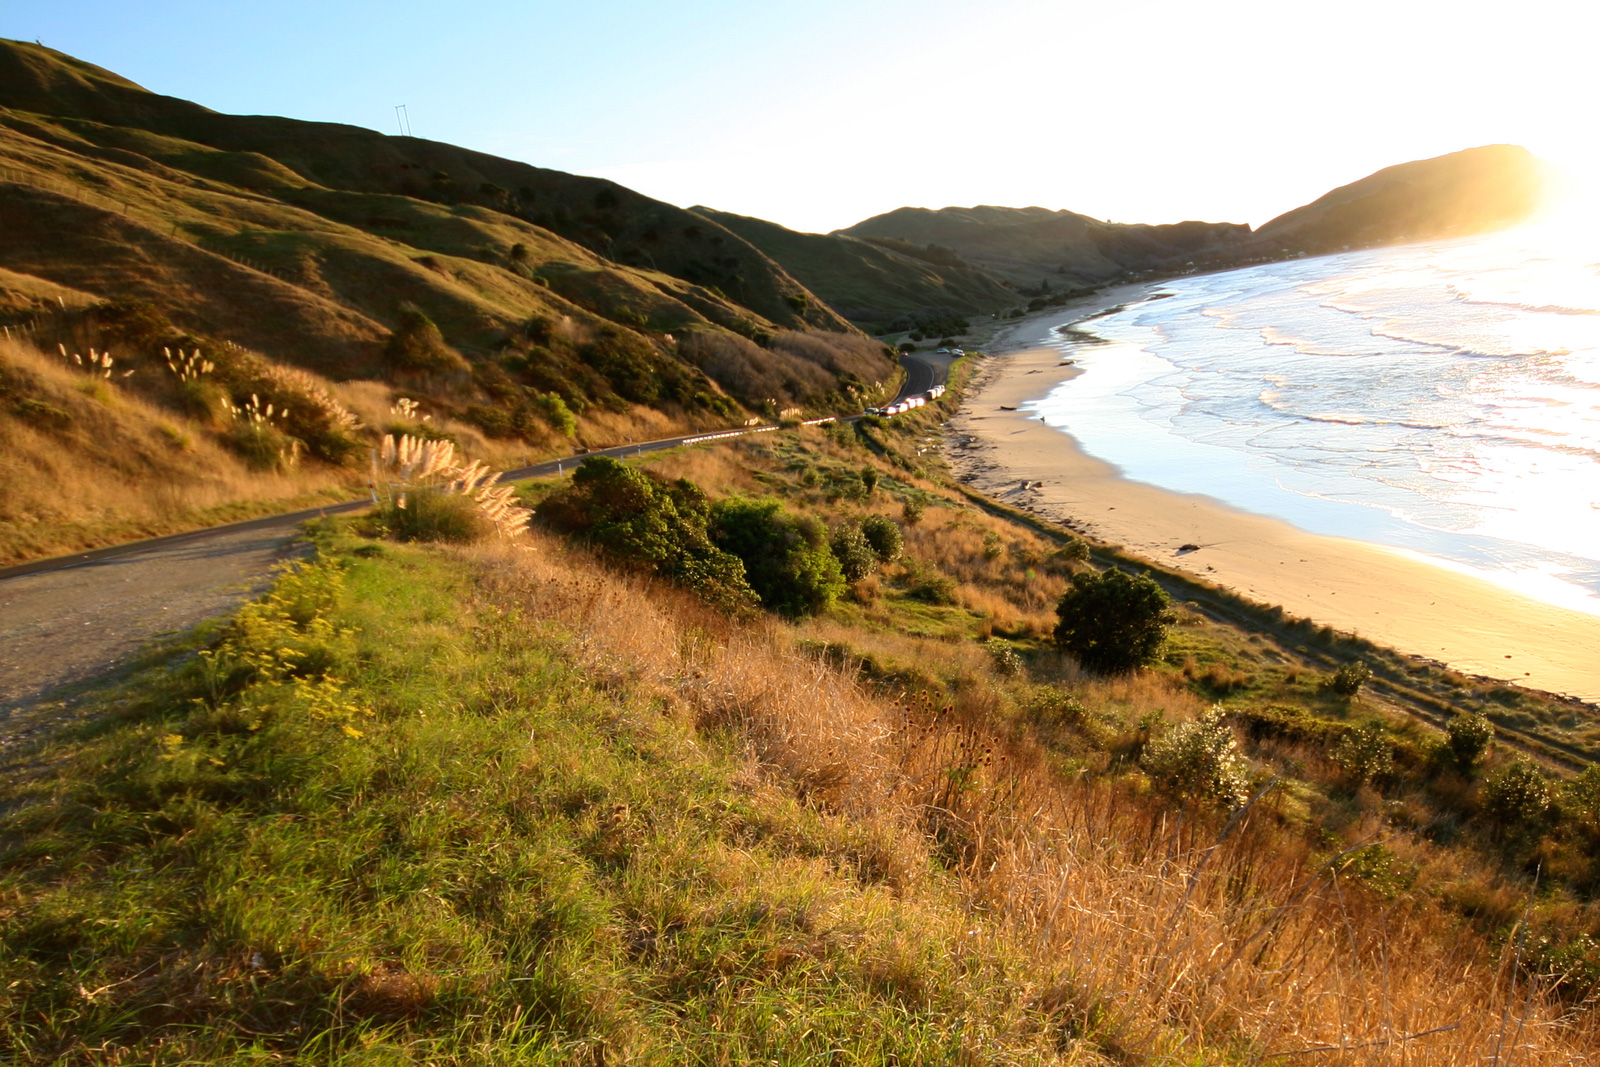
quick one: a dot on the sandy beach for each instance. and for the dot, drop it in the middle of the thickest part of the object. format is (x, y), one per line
(1396, 599)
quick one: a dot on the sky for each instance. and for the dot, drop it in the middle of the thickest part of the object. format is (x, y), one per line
(821, 114)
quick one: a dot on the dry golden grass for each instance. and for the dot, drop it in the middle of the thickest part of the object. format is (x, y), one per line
(1149, 933)
(83, 463)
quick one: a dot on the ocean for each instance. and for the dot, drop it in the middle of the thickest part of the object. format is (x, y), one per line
(1442, 399)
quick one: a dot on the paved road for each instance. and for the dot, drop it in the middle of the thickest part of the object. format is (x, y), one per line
(72, 618)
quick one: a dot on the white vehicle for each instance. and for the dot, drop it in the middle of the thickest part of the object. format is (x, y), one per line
(943, 352)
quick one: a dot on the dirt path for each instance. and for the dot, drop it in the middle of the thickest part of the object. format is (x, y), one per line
(60, 628)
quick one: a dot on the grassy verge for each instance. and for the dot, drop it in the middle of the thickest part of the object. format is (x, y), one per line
(384, 812)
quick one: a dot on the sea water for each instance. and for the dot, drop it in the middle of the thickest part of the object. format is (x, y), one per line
(1442, 399)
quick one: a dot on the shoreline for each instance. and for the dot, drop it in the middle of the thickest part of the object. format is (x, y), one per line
(1393, 598)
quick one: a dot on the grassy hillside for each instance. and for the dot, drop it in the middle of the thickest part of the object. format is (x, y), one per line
(315, 245)
(495, 805)
(873, 285)
(1038, 250)
(1473, 191)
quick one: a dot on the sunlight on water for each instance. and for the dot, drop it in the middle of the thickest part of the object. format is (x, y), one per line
(1442, 399)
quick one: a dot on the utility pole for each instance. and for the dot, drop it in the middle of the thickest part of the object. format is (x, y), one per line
(397, 120)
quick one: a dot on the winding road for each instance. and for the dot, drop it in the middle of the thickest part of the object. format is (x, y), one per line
(69, 620)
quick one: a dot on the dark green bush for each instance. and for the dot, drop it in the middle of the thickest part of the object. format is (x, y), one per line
(786, 558)
(1112, 622)
(641, 522)
(853, 551)
(884, 535)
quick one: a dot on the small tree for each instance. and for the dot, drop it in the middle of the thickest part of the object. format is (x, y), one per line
(1199, 760)
(1112, 621)
(1517, 797)
(1349, 678)
(854, 553)
(1364, 753)
(1468, 737)
(883, 534)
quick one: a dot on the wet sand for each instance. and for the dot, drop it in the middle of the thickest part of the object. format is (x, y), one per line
(1393, 598)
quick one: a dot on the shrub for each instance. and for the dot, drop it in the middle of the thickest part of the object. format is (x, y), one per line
(1074, 550)
(554, 411)
(1198, 760)
(1364, 753)
(930, 586)
(1113, 622)
(262, 445)
(854, 553)
(638, 521)
(433, 515)
(416, 345)
(1517, 796)
(1468, 736)
(869, 479)
(911, 511)
(884, 535)
(1349, 678)
(1580, 797)
(1005, 659)
(786, 558)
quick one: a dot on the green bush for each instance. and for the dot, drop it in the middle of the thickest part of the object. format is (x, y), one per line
(1349, 678)
(554, 411)
(1364, 753)
(869, 479)
(1199, 761)
(853, 551)
(637, 520)
(1004, 657)
(263, 446)
(1113, 622)
(884, 535)
(1518, 796)
(434, 515)
(416, 345)
(1467, 737)
(1074, 550)
(1580, 798)
(786, 558)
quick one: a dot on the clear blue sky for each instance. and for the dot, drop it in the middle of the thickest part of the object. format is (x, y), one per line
(820, 114)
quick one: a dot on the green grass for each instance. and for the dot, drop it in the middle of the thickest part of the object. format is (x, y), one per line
(377, 817)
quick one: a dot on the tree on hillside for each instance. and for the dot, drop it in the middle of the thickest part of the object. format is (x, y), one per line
(1112, 621)
(786, 558)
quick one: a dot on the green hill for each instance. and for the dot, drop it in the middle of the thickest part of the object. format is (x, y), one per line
(869, 283)
(1041, 250)
(310, 243)
(1473, 191)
